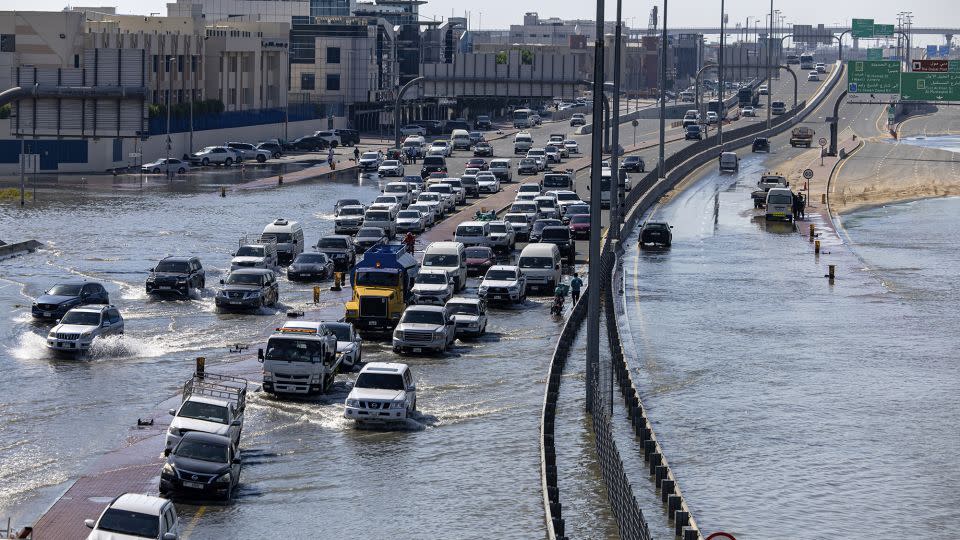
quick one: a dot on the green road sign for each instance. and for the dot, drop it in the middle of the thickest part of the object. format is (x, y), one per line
(953, 66)
(861, 28)
(930, 86)
(874, 54)
(873, 77)
(882, 30)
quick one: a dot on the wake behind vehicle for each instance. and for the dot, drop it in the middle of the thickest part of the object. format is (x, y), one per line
(384, 393)
(300, 358)
(176, 276)
(656, 233)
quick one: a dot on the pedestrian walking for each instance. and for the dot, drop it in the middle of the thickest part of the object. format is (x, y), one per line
(575, 285)
(356, 154)
(330, 157)
(802, 201)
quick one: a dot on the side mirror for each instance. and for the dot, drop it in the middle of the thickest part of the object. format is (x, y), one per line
(236, 461)
(172, 412)
(221, 282)
(169, 536)
(166, 451)
(89, 523)
(237, 422)
(105, 324)
(260, 355)
(412, 388)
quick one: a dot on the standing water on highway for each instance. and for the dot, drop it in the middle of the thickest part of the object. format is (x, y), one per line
(472, 451)
(787, 406)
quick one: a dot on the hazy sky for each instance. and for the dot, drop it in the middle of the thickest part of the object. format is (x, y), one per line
(502, 13)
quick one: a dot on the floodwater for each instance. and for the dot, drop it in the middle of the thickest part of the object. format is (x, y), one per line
(467, 466)
(789, 407)
(943, 142)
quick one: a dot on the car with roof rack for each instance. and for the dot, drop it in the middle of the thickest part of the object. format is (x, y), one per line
(210, 403)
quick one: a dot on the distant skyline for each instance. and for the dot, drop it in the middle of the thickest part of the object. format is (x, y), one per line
(500, 14)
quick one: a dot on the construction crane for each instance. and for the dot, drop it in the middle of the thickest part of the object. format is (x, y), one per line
(652, 23)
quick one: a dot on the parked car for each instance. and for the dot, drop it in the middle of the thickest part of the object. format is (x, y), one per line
(656, 233)
(56, 301)
(309, 143)
(367, 237)
(339, 248)
(424, 328)
(761, 144)
(411, 129)
(330, 137)
(431, 286)
(134, 515)
(390, 167)
(503, 283)
(483, 148)
(469, 316)
(176, 275)
(348, 137)
(165, 166)
(80, 326)
(248, 288)
(633, 164)
(479, 260)
(213, 155)
(201, 465)
(249, 151)
(275, 149)
(310, 266)
(384, 392)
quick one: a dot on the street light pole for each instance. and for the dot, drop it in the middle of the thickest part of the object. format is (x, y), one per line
(616, 187)
(663, 93)
(769, 62)
(596, 158)
(721, 112)
(169, 70)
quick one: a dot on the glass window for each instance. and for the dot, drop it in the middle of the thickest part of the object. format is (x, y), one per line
(307, 81)
(536, 262)
(243, 279)
(204, 451)
(422, 317)
(83, 318)
(501, 275)
(129, 523)
(204, 411)
(174, 267)
(250, 251)
(65, 290)
(376, 279)
(302, 49)
(383, 381)
(294, 350)
(333, 81)
(333, 55)
(441, 259)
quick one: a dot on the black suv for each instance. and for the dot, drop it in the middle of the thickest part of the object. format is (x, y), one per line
(560, 235)
(761, 144)
(348, 137)
(633, 164)
(309, 143)
(62, 297)
(176, 275)
(432, 164)
(202, 465)
(656, 233)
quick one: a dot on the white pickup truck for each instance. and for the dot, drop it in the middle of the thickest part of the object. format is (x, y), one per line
(211, 403)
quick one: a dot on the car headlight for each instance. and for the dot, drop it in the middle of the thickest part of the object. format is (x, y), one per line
(252, 294)
(267, 377)
(85, 335)
(174, 431)
(168, 469)
(223, 478)
(353, 403)
(438, 332)
(150, 279)
(398, 405)
(397, 334)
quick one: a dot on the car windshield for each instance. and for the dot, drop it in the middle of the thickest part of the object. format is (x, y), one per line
(631, 159)
(536, 262)
(478, 252)
(294, 350)
(370, 233)
(388, 199)
(351, 212)
(129, 523)
(204, 451)
(85, 318)
(555, 181)
(440, 143)
(280, 237)
(65, 290)
(378, 216)
(469, 230)
(432, 197)
(524, 208)
(311, 258)
(780, 198)
(431, 278)
(390, 163)
(526, 161)
(501, 275)
(465, 309)
(536, 152)
(348, 202)
(396, 188)
(422, 317)
(409, 214)
(382, 381)
(376, 279)
(574, 209)
(422, 208)
(516, 219)
(540, 224)
(556, 233)
(250, 251)
(580, 218)
(243, 279)
(209, 412)
(498, 228)
(369, 155)
(656, 226)
(441, 259)
(342, 331)
(179, 267)
(545, 203)
(332, 243)
(568, 197)
(433, 161)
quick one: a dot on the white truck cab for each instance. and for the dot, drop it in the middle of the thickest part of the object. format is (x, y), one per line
(288, 236)
(300, 358)
(211, 403)
(451, 257)
(384, 392)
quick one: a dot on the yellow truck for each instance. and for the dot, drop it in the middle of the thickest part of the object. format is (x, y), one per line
(381, 281)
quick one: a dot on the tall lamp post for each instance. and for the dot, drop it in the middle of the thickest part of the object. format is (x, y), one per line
(721, 109)
(171, 60)
(663, 93)
(615, 142)
(769, 62)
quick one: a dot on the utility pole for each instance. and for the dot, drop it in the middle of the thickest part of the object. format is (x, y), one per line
(721, 109)
(596, 158)
(769, 61)
(23, 165)
(663, 94)
(191, 85)
(169, 70)
(616, 187)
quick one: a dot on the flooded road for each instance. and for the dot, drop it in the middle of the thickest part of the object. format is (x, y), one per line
(786, 406)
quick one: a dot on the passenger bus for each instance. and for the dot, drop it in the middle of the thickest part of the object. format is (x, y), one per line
(748, 96)
(806, 61)
(522, 118)
(714, 106)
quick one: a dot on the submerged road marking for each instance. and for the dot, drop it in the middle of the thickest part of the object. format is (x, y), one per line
(193, 522)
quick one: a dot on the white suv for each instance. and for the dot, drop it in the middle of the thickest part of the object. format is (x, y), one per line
(384, 392)
(432, 286)
(133, 515)
(424, 328)
(81, 325)
(503, 284)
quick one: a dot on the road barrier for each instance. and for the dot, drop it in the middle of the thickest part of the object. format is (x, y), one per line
(623, 503)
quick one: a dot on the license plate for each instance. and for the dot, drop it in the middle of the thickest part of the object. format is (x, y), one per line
(164, 288)
(236, 302)
(193, 485)
(498, 297)
(47, 314)
(371, 323)
(417, 349)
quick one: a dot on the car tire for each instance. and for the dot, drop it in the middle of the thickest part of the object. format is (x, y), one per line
(181, 170)
(333, 144)
(205, 162)
(228, 162)
(261, 158)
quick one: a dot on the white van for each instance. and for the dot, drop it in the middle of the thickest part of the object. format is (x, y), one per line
(460, 138)
(473, 233)
(729, 162)
(541, 264)
(522, 142)
(451, 257)
(289, 238)
(780, 204)
(382, 218)
(501, 168)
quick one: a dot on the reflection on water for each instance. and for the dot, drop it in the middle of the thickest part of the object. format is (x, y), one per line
(772, 390)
